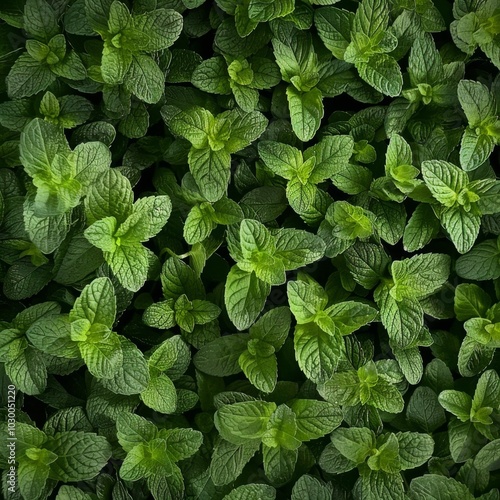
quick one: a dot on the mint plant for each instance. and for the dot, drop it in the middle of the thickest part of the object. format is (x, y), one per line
(249, 249)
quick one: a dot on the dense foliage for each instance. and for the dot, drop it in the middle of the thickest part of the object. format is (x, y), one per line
(250, 249)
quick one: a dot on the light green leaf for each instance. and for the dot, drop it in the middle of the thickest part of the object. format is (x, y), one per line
(403, 320)
(148, 217)
(282, 159)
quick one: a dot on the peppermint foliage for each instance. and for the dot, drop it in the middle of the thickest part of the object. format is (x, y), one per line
(249, 249)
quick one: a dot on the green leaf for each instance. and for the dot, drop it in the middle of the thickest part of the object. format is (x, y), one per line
(160, 394)
(334, 28)
(476, 101)
(475, 149)
(367, 263)
(354, 443)
(414, 449)
(279, 463)
(133, 429)
(436, 487)
(306, 111)
(145, 79)
(162, 27)
(342, 388)
(130, 265)
(145, 460)
(272, 327)
(28, 372)
(52, 335)
(282, 159)
(148, 217)
(228, 460)
(32, 476)
(251, 491)
(80, 455)
(379, 484)
(240, 423)
(110, 196)
(27, 77)
(132, 377)
(425, 64)
(298, 248)
(23, 280)
(481, 263)
(444, 180)
(40, 144)
(489, 456)
(317, 352)
(261, 371)
(281, 430)
(212, 76)
(382, 72)
(386, 397)
(211, 171)
(315, 419)
(470, 302)
(220, 357)
(181, 443)
(403, 319)
(40, 19)
(244, 296)
(422, 227)
(424, 410)
(371, 18)
(103, 356)
(97, 303)
(419, 276)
